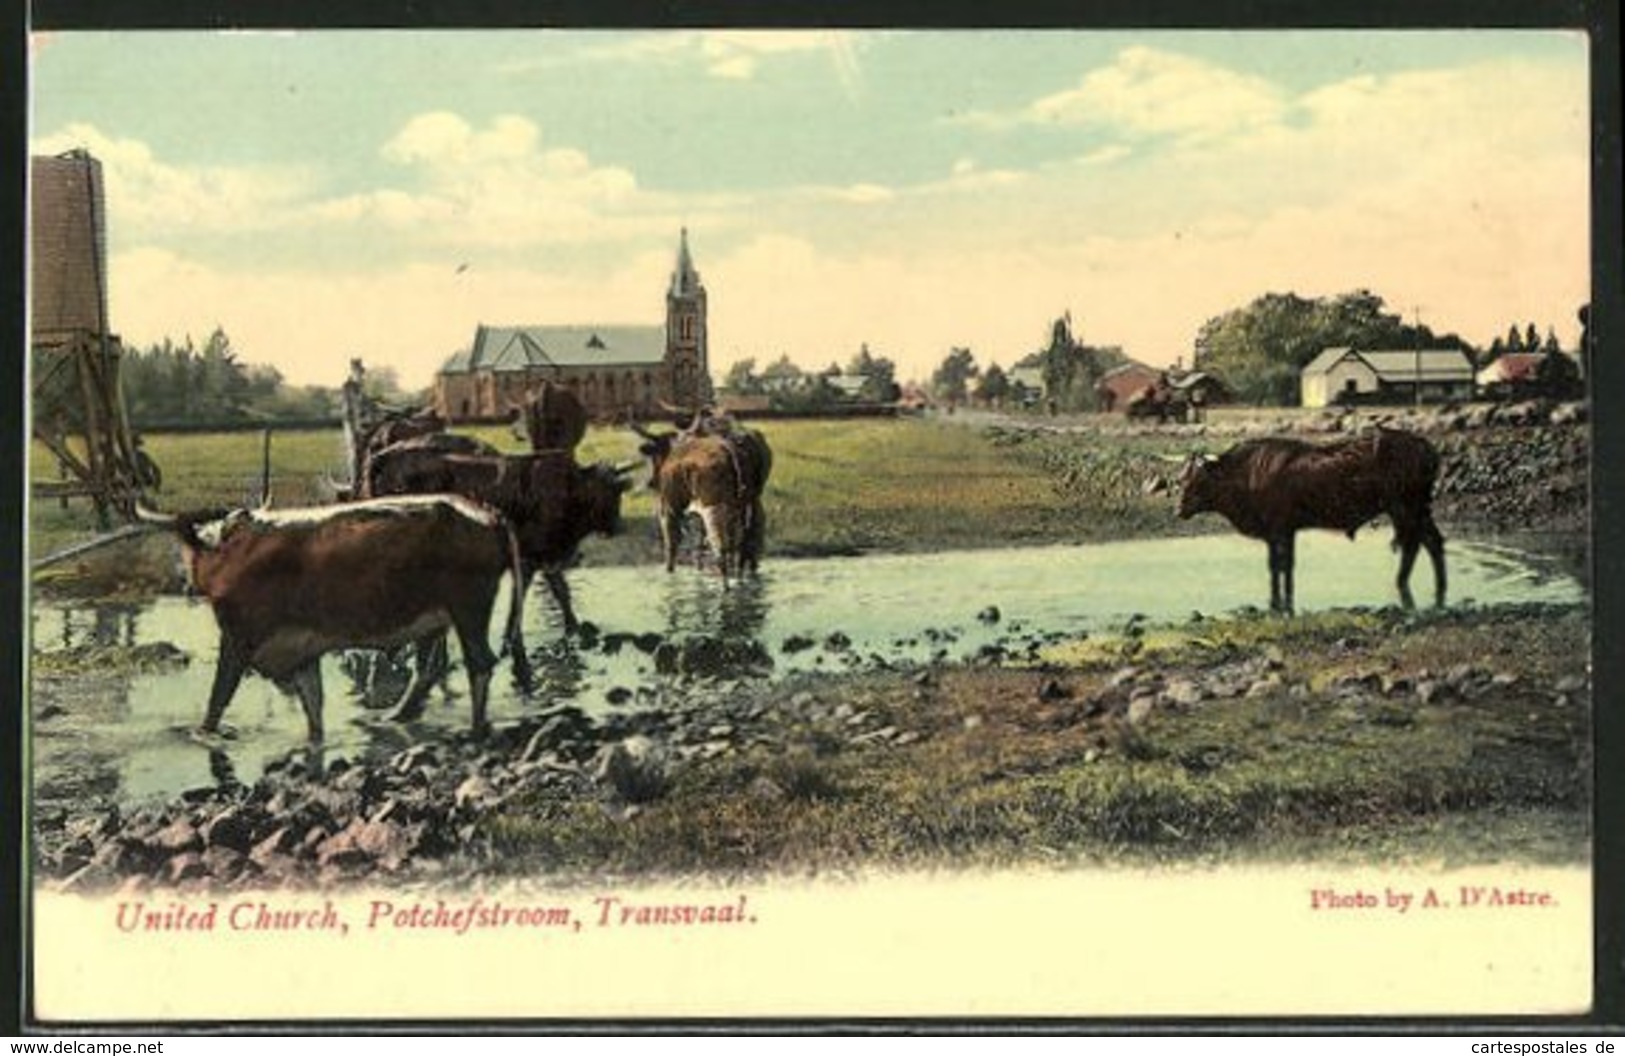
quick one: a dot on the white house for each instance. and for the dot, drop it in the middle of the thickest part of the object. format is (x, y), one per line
(1386, 376)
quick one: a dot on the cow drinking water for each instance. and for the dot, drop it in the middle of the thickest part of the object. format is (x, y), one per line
(290, 586)
(718, 470)
(1270, 488)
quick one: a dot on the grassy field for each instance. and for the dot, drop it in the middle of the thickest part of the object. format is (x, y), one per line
(837, 487)
(1001, 776)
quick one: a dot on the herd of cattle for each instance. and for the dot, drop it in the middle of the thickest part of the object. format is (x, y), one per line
(434, 521)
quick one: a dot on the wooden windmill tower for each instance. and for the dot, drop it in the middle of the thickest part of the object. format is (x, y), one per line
(78, 407)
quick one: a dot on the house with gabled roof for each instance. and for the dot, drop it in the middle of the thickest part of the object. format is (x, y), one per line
(615, 370)
(1350, 375)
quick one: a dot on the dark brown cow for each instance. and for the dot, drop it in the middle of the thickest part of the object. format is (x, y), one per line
(1270, 488)
(552, 503)
(553, 418)
(290, 586)
(718, 470)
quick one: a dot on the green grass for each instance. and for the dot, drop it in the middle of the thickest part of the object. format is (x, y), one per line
(1000, 779)
(836, 487)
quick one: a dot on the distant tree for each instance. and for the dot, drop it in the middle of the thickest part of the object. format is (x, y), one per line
(1514, 339)
(741, 377)
(994, 386)
(879, 376)
(1072, 369)
(1531, 339)
(1551, 344)
(950, 381)
(1261, 350)
(1557, 375)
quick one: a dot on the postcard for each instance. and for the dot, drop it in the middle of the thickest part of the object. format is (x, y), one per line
(545, 524)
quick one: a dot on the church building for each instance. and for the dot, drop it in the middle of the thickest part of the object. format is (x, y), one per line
(614, 370)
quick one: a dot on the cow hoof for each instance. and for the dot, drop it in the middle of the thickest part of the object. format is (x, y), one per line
(404, 715)
(212, 735)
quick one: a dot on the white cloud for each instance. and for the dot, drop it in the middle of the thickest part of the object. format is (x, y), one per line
(1148, 91)
(492, 186)
(148, 195)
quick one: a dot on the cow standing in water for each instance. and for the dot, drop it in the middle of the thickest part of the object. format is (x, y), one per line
(1269, 489)
(718, 470)
(290, 586)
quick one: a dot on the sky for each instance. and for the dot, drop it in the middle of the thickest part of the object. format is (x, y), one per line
(327, 194)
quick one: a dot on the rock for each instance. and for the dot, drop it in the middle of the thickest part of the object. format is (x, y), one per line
(1265, 686)
(1122, 677)
(475, 793)
(178, 836)
(1571, 684)
(837, 642)
(230, 829)
(635, 769)
(1140, 707)
(224, 864)
(796, 643)
(277, 844)
(1183, 692)
(990, 614)
(186, 866)
(1052, 690)
(618, 695)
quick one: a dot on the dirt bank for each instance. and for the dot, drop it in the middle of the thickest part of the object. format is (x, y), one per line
(1355, 734)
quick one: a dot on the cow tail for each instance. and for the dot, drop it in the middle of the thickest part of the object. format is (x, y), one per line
(741, 487)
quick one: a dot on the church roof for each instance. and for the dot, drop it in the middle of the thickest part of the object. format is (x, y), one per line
(503, 349)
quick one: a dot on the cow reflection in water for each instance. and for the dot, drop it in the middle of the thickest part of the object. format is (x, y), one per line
(695, 606)
(111, 624)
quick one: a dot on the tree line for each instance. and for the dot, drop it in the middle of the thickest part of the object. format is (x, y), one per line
(1258, 350)
(172, 383)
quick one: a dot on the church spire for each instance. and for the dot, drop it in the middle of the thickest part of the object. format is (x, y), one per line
(685, 281)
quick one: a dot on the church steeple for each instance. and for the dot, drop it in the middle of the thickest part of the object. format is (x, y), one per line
(685, 281)
(687, 344)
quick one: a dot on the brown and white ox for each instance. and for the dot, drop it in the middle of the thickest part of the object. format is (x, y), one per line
(290, 586)
(717, 470)
(1270, 488)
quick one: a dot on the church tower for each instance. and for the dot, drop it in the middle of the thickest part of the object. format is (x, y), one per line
(686, 345)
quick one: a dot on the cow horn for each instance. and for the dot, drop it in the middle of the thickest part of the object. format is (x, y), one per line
(623, 468)
(637, 427)
(151, 516)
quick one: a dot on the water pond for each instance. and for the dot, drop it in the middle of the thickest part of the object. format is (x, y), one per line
(128, 736)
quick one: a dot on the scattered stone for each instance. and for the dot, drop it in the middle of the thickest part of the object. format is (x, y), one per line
(634, 769)
(1183, 692)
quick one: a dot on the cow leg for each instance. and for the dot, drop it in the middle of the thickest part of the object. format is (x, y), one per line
(429, 669)
(755, 536)
(671, 533)
(1433, 539)
(1289, 559)
(1274, 547)
(721, 532)
(307, 683)
(1408, 537)
(560, 590)
(228, 673)
(479, 661)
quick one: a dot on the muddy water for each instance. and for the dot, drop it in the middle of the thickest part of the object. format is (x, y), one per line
(128, 736)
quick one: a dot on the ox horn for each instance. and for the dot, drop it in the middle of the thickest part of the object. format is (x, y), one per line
(148, 515)
(623, 468)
